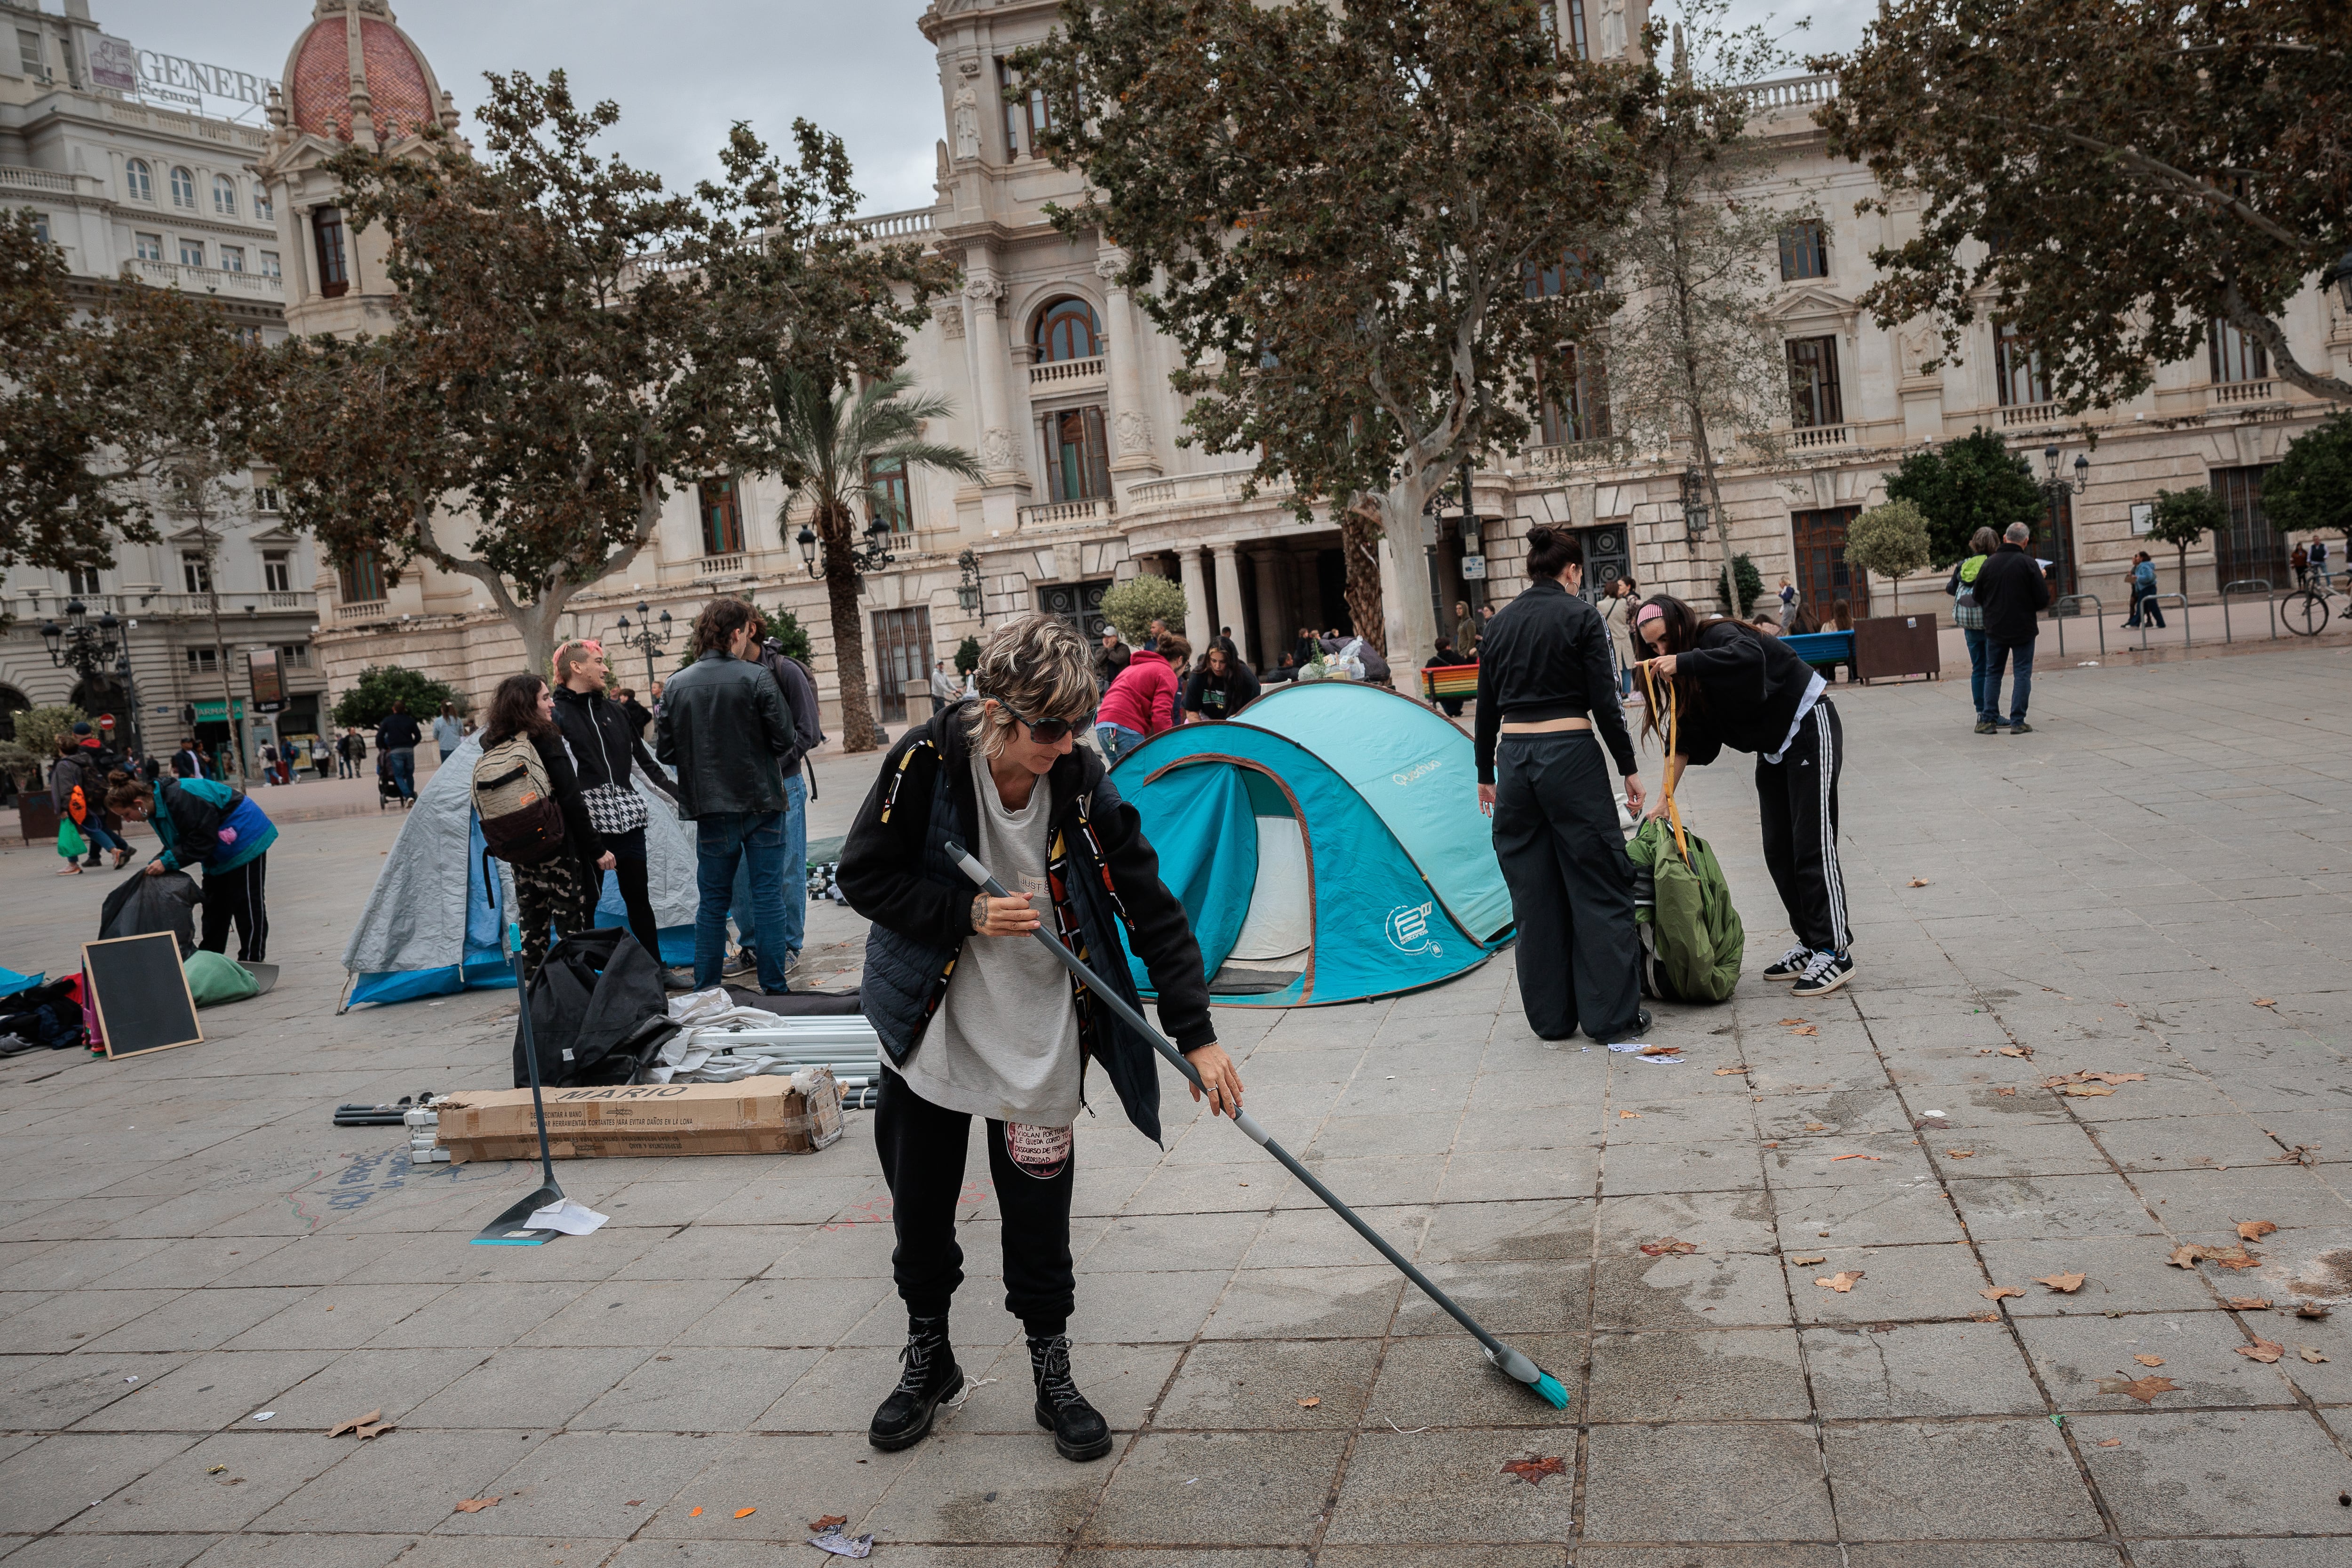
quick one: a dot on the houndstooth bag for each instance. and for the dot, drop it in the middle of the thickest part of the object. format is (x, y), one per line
(612, 809)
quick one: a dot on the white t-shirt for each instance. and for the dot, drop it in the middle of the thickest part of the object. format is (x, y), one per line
(1005, 1042)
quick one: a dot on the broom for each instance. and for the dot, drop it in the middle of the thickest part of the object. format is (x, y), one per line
(1511, 1363)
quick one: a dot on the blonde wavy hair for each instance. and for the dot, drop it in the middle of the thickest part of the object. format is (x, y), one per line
(1036, 666)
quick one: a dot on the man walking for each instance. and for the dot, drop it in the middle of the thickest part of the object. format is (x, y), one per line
(187, 762)
(944, 686)
(1110, 659)
(724, 727)
(2012, 592)
(799, 688)
(396, 735)
(448, 731)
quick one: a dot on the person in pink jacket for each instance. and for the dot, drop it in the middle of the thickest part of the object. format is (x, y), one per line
(1143, 701)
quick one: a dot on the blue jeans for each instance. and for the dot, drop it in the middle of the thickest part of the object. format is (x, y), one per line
(1977, 661)
(795, 922)
(1115, 741)
(724, 841)
(99, 838)
(2146, 604)
(402, 761)
(1998, 654)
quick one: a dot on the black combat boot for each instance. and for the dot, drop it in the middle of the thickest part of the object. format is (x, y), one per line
(1079, 1431)
(931, 1375)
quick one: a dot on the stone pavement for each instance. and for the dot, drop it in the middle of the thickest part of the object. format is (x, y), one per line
(2154, 883)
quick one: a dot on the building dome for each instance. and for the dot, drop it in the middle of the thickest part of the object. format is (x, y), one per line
(353, 61)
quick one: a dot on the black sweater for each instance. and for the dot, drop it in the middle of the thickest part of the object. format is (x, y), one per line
(2011, 591)
(1546, 656)
(603, 741)
(1750, 687)
(1215, 696)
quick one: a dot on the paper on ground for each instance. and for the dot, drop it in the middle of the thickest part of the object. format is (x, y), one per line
(842, 1545)
(571, 1218)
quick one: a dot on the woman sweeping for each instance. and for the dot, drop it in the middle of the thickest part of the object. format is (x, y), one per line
(979, 1020)
(217, 826)
(1544, 682)
(1734, 688)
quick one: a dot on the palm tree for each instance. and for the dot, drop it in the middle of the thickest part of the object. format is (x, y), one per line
(831, 442)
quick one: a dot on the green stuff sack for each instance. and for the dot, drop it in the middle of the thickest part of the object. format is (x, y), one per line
(216, 977)
(1692, 941)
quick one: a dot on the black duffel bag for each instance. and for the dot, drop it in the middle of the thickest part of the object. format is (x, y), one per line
(598, 1012)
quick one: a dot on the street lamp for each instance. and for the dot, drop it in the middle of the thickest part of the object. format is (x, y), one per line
(646, 638)
(968, 590)
(1694, 507)
(871, 556)
(2340, 274)
(2055, 487)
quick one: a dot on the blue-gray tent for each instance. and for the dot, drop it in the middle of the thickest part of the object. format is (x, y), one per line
(1326, 845)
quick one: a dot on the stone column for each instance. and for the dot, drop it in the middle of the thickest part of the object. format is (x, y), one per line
(1197, 627)
(999, 449)
(1273, 637)
(1229, 592)
(1130, 432)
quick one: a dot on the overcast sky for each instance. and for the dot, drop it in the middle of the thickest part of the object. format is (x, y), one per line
(684, 71)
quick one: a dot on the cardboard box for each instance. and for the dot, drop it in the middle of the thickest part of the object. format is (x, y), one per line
(764, 1115)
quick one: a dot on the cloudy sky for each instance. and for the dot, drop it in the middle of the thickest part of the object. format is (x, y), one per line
(684, 71)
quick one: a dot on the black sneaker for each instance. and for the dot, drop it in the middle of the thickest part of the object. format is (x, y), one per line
(1987, 727)
(1792, 965)
(931, 1375)
(1827, 971)
(1079, 1431)
(2020, 728)
(744, 960)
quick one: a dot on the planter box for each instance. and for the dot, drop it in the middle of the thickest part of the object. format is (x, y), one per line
(1886, 646)
(38, 815)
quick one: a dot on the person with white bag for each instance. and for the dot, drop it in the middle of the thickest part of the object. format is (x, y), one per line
(603, 746)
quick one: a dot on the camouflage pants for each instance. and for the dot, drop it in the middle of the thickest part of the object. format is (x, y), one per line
(551, 894)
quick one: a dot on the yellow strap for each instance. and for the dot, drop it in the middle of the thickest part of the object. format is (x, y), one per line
(1650, 686)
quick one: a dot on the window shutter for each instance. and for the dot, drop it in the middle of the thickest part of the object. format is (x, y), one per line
(1097, 474)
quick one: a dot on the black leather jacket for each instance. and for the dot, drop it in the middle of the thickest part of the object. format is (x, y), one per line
(725, 728)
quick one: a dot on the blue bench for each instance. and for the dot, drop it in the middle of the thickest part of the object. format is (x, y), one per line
(1824, 650)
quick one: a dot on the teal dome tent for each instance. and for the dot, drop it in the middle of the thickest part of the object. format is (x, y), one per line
(1327, 844)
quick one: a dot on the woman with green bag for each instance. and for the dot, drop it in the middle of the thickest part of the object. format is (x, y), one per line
(72, 845)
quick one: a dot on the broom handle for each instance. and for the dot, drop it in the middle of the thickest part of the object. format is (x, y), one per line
(982, 879)
(531, 1056)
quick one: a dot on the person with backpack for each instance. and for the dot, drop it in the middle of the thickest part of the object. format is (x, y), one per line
(977, 1019)
(397, 736)
(533, 818)
(2143, 593)
(77, 788)
(799, 688)
(1969, 617)
(602, 746)
(1731, 686)
(723, 724)
(203, 822)
(2013, 591)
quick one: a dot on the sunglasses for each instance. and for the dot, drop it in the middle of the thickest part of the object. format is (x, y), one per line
(1046, 731)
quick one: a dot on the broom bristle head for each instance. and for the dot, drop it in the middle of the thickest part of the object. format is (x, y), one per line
(1549, 1387)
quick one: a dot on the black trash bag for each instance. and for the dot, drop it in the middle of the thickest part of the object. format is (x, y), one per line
(144, 904)
(597, 1011)
(800, 1003)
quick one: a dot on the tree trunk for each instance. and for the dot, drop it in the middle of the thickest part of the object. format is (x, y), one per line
(1400, 509)
(536, 623)
(858, 731)
(1360, 548)
(2184, 571)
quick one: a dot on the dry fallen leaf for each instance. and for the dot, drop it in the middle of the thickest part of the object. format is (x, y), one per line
(1816, 1126)
(1659, 1051)
(1629, 1116)
(2235, 1257)
(1310, 1401)
(2144, 1389)
(2262, 1350)
(830, 1521)
(2188, 1255)
(2312, 1356)
(1790, 1023)
(2005, 1093)
(1998, 1291)
(745, 1512)
(1808, 1259)
(1534, 1471)
(2254, 1229)
(2308, 1309)
(1835, 1158)
(1670, 1244)
(2065, 1284)
(1774, 1144)
(2017, 1050)
(2115, 1077)
(1808, 1029)
(1960, 1153)
(1985, 1316)
(1842, 1281)
(1919, 882)
(216, 1469)
(476, 1504)
(377, 1428)
(2250, 1303)
(2264, 1002)
(1731, 1072)
(2149, 1360)
(354, 1424)
(2111, 1442)
(2086, 1090)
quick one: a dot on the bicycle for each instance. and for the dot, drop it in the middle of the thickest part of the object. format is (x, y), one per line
(2305, 610)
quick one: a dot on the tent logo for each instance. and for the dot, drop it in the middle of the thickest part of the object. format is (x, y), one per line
(1418, 771)
(1407, 929)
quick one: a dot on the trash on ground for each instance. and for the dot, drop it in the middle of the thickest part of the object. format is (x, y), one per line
(571, 1217)
(842, 1545)
(1310, 1401)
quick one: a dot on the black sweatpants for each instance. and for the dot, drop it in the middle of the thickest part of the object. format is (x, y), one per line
(238, 895)
(1797, 799)
(629, 869)
(1563, 856)
(922, 1151)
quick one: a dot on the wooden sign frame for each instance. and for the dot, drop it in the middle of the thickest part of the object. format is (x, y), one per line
(98, 1002)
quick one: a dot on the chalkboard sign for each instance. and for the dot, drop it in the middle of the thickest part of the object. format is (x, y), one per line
(141, 994)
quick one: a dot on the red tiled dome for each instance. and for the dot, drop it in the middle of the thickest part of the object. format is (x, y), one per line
(399, 95)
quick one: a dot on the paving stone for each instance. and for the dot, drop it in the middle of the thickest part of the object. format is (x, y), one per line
(2121, 1274)
(406, 1479)
(2199, 1351)
(694, 1389)
(1937, 1480)
(180, 1493)
(1874, 1214)
(203, 1392)
(1510, 1231)
(1693, 1291)
(1919, 1369)
(1317, 1237)
(1124, 1308)
(305, 1551)
(528, 1386)
(1436, 1487)
(1710, 1556)
(1990, 1554)
(966, 1487)
(1900, 1283)
(56, 1479)
(1508, 1298)
(112, 1550)
(2270, 1552)
(361, 1312)
(1694, 1481)
(509, 1552)
(1703, 1375)
(779, 1313)
(1293, 1303)
(2189, 1474)
(356, 1382)
(1713, 1222)
(1257, 1385)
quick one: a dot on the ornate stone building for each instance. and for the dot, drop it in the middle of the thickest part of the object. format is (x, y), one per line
(1062, 389)
(129, 190)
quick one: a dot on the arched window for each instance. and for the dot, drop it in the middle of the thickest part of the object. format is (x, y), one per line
(223, 196)
(1068, 329)
(184, 189)
(139, 181)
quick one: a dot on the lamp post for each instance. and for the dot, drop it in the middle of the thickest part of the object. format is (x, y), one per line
(870, 556)
(968, 588)
(2055, 487)
(646, 638)
(2340, 276)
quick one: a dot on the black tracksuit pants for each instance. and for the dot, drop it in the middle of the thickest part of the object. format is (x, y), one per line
(922, 1150)
(630, 868)
(1797, 800)
(1563, 856)
(240, 897)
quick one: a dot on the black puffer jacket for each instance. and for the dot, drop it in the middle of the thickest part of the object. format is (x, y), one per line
(894, 871)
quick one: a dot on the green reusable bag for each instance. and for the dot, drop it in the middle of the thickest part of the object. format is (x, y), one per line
(70, 843)
(1692, 940)
(216, 977)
